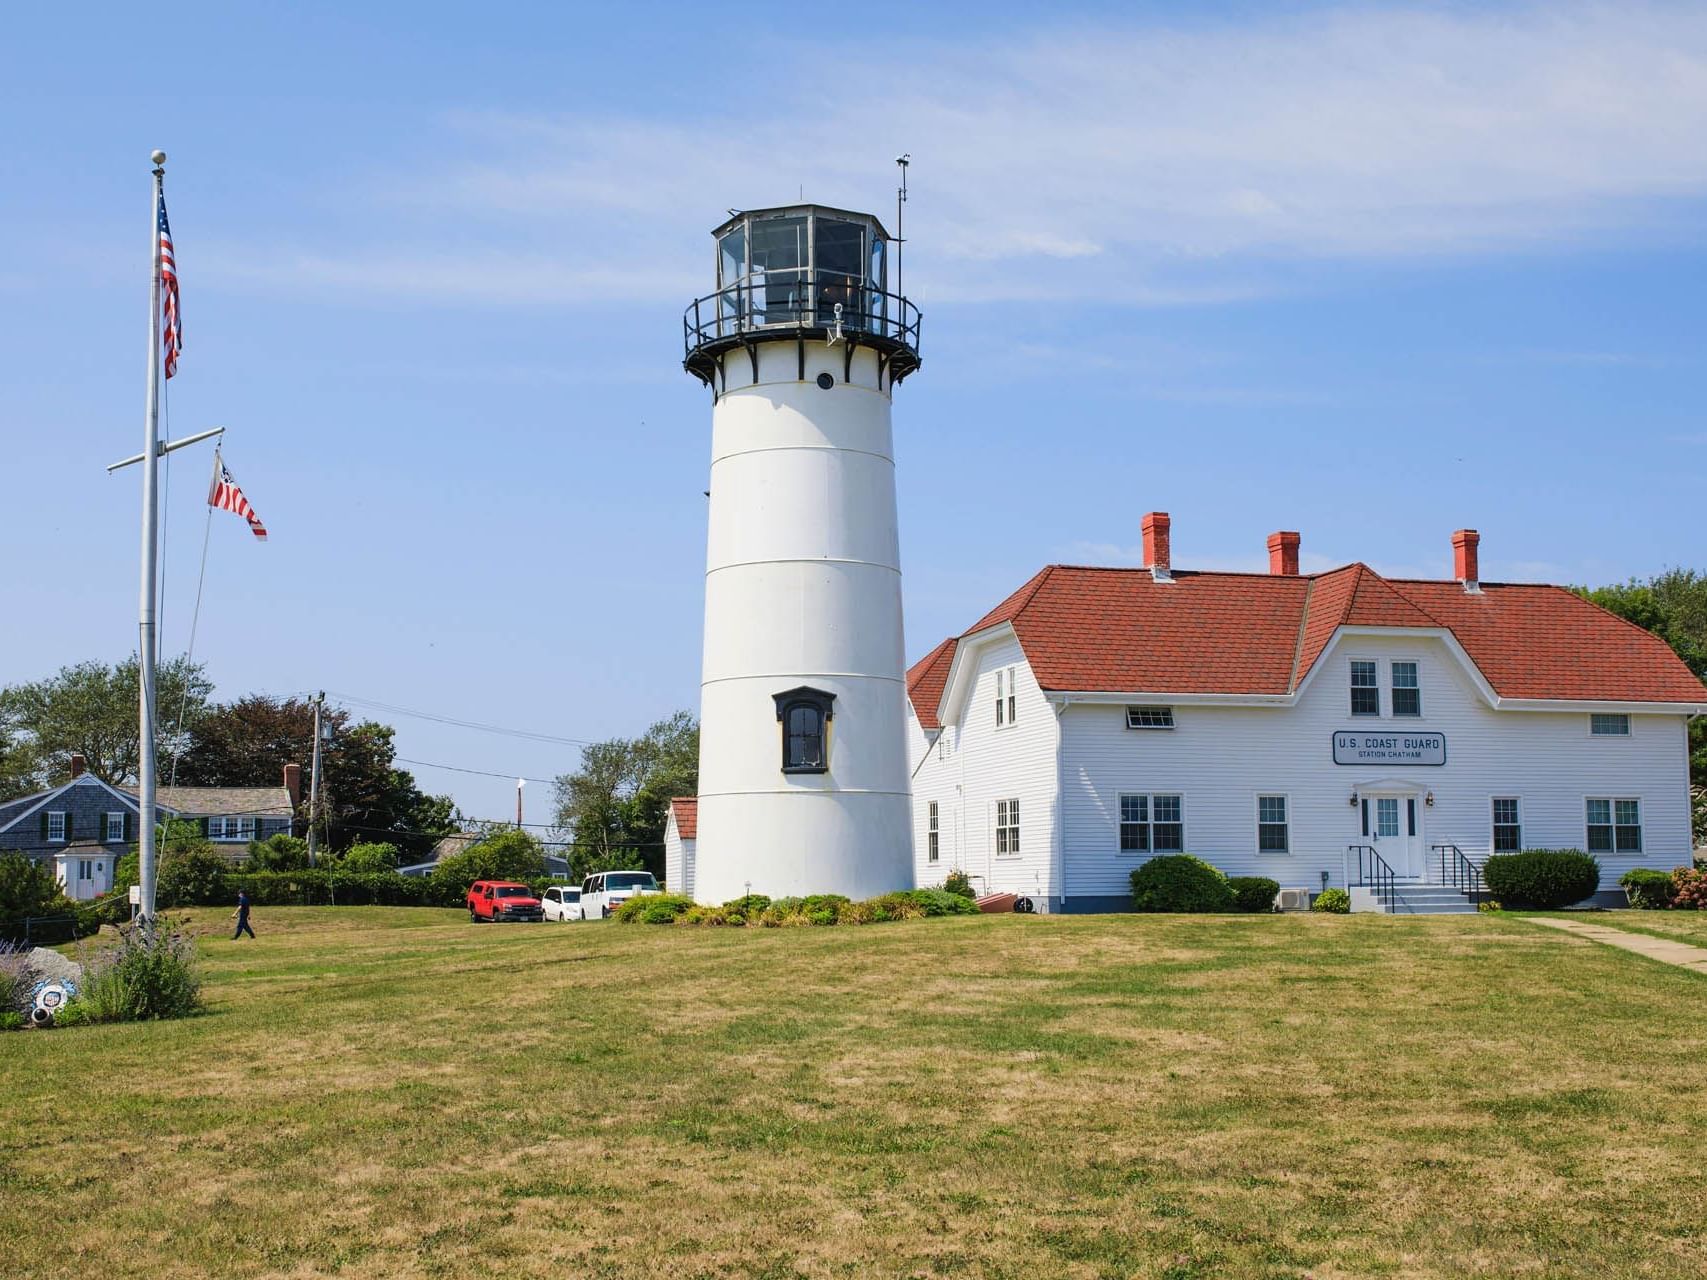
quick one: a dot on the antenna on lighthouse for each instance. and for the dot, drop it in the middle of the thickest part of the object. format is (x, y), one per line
(901, 161)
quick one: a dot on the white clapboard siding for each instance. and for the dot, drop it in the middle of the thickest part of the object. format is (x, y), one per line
(1221, 758)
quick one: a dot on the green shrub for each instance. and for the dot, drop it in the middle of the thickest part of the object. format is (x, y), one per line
(11, 1020)
(653, 908)
(1488, 906)
(1253, 893)
(751, 905)
(959, 882)
(1543, 878)
(1648, 890)
(29, 892)
(279, 852)
(192, 878)
(148, 975)
(942, 902)
(369, 856)
(1332, 901)
(1180, 882)
(17, 977)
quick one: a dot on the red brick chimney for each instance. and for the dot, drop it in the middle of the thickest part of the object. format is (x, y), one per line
(1465, 566)
(1157, 553)
(1283, 554)
(293, 784)
(78, 765)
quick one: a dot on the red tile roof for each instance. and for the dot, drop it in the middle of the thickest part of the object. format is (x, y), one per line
(1121, 631)
(686, 809)
(926, 679)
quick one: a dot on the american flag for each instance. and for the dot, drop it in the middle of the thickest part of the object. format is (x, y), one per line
(173, 336)
(228, 497)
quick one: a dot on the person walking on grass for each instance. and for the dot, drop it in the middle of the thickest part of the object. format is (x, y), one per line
(242, 915)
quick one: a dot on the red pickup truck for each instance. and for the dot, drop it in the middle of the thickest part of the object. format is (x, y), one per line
(496, 900)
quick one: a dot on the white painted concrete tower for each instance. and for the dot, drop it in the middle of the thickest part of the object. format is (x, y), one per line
(803, 783)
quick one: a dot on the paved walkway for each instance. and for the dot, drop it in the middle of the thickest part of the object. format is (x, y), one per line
(1683, 954)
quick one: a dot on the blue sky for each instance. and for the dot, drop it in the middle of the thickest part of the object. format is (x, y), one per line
(1372, 273)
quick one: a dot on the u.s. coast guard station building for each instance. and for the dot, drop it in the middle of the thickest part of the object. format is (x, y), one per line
(1292, 726)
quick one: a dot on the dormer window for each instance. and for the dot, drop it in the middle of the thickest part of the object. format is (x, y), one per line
(805, 715)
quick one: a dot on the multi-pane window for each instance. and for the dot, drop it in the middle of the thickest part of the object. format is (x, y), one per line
(1152, 824)
(1508, 825)
(932, 851)
(1012, 707)
(231, 829)
(1007, 826)
(1614, 825)
(1006, 707)
(1386, 817)
(805, 717)
(1271, 824)
(1407, 695)
(56, 826)
(1149, 717)
(1365, 691)
(85, 869)
(1001, 704)
(1609, 725)
(115, 827)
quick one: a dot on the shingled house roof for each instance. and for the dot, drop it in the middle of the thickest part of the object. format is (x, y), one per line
(686, 809)
(1123, 631)
(218, 802)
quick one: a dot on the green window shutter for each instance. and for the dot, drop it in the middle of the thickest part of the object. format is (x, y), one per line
(129, 827)
(70, 835)
(204, 826)
(44, 826)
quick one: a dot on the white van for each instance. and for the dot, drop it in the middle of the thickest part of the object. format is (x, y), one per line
(603, 893)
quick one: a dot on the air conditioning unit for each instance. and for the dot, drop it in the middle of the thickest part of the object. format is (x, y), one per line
(1294, 899)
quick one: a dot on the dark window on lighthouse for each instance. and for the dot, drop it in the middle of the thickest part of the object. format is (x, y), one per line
(804, 715)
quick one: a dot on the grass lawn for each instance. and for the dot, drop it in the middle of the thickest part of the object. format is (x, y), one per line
(385, 1093)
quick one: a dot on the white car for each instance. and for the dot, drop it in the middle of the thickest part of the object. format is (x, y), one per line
(603, 893)
(561, 903)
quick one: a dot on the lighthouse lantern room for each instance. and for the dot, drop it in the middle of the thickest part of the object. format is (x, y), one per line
(803, 781)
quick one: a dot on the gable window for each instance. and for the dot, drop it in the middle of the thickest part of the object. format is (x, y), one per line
(1271, 824)
(1005, 700)
(1007, 827)
(1000, 705)
(1608, 725)
(230, 830)
(115, 827)
(805, 716)
(1614, 825)
(1012, 708)
(1152, 824)
(56, 826)
(932, 850)
(1508, 825)
(1407, 695)
(1365, 692)
(1149, 717)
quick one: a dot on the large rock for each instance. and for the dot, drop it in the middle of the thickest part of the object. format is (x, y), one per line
(55, 967)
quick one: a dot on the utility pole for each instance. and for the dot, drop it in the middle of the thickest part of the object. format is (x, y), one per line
(520, 783)
(314, 785)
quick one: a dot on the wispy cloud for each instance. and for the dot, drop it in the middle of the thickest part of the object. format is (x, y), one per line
(1127, 164)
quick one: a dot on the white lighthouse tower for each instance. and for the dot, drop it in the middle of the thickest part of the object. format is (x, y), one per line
(803, 783)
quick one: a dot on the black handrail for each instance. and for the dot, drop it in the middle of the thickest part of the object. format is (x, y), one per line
(1373, 873)
(1460, 872)
(801, 303)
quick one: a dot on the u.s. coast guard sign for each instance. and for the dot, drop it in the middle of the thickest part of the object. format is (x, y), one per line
(1389, 748)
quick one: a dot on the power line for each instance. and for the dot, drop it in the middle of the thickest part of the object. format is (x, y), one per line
(461, 724)
(456, 768)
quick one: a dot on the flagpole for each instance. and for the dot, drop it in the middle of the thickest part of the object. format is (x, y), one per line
(147, 622)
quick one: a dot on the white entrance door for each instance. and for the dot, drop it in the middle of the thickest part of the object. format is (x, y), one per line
(1395, 829)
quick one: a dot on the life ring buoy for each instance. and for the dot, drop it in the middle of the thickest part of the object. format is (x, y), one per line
(47, 999)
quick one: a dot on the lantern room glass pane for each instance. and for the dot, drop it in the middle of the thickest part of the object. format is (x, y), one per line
(839, 259)
(779, 270)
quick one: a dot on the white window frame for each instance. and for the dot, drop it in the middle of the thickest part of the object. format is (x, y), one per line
(999, 703)
(1393, 688)
(85, 868)
(1149, 823)
(61, 815)
(933, 832)
(1286, 822)
(1139, 711)
(1352, 664)
(1007, 821)
(112, 838)
(230, 830)
(1629, 729)
(1013, 700)
(1494, 823)
(1613, 801)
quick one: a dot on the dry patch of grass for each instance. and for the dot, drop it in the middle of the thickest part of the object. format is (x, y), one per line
(380, 1093)
(1679, 926)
